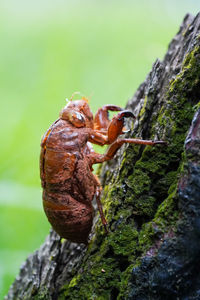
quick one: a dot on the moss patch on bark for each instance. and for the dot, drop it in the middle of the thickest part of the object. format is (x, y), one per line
(141, 201)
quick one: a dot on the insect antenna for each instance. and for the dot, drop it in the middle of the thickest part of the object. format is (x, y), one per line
(75, 93)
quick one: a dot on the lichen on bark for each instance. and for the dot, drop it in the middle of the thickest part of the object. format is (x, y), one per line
(150, 199)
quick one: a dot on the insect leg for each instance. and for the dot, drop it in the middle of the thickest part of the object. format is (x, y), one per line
(101, 119)
(116, 125)
(96, 158)
(119, 142)
(99, 205)
(115, 128)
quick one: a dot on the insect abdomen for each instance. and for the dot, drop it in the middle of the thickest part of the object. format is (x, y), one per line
(70, 218)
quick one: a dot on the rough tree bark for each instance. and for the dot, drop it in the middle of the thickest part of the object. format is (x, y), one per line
(151, 200)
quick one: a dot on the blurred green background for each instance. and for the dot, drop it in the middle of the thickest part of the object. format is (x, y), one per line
(49, 49)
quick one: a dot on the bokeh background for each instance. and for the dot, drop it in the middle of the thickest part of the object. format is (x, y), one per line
(49, 49)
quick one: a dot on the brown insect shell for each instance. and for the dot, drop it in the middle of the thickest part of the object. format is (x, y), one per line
(67, 181)
(78, 113)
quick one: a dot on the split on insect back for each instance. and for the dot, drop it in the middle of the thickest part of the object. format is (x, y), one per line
(66, 160)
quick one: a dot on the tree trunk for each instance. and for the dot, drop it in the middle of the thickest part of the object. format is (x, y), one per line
(151, 200)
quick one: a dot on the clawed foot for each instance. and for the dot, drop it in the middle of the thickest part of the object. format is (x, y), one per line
(160, 142)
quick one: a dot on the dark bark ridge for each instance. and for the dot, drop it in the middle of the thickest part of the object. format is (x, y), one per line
(151, 200)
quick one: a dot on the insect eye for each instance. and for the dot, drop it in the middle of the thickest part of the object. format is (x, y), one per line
(77, 119)
(80, 117)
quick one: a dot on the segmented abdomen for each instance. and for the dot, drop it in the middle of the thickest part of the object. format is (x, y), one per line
(66, 210)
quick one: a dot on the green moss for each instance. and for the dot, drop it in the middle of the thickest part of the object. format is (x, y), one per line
(125, 278)
(139, 182)
(106, 275)
(141, 202)
(197, 106)
(43, 295)
(167, 212)
(146, 236)
(74, 281)
(123, 240)
(143, 110)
